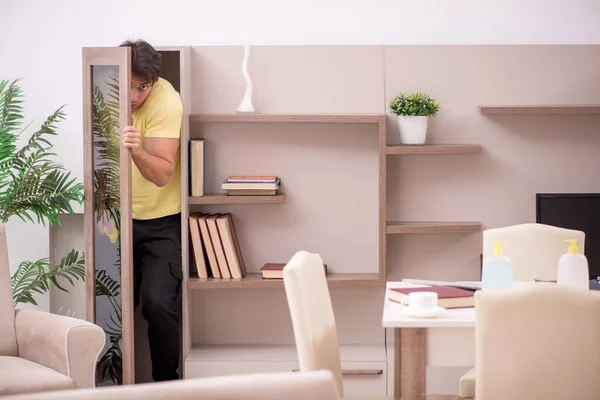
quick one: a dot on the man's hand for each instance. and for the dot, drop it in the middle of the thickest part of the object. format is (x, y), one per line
(156, 161)
(131, 136)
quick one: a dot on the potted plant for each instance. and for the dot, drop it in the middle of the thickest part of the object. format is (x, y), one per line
(413, 111)
(36, 189)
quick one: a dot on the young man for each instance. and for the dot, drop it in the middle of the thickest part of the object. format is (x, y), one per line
(153, 138)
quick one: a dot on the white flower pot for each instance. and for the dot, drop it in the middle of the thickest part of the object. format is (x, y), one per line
(413, 129)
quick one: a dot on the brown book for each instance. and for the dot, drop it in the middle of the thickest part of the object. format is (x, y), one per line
(231, 246)
(209, 246)
(198, 246)
(275, 270)
(251, 192)
(251, 178)
(217, 242)
(197, 160)
(448, 297)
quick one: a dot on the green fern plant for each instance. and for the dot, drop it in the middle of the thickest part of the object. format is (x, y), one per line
(36, 277)
(414, 104)
(36, 189)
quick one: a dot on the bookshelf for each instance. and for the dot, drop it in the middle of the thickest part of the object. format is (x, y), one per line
(576, 109)
(220, 198)
(202, 357)
(334, 279)
(254, 280)
(411, 227)
(434, 149)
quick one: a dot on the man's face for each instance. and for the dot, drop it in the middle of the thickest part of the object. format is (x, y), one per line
(140, 89)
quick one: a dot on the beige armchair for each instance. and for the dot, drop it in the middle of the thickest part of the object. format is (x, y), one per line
(317, 385)
(534, 250)
(537, 342)
(41, 351)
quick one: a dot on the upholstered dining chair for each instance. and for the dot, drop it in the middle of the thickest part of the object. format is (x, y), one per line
(40, 351)
(313, 320)
(537, 342)
(314, 385)
(534, 250)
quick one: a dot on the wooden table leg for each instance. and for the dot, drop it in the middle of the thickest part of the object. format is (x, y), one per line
(410, 359)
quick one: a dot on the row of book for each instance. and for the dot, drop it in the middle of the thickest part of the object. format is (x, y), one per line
(216, 249)
(238, 185)
(217, 252)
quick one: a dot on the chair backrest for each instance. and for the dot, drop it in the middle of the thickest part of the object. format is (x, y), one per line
(8, 338)
(534, 249)
(318, 385)
(537, 342)
(312, 315)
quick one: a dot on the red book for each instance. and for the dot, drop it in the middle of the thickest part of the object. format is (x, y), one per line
(448, 297)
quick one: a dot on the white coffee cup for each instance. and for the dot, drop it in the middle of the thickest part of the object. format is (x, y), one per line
(421, 301)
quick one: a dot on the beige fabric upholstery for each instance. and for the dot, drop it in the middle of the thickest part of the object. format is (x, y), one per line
(537, 342)
(313, 320)
(316, 385)
(51, 351)
(19, 375)
(534, 249)
(68, 345)
(466, 386)
(8, 338)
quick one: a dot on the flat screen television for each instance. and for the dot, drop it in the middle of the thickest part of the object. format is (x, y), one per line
(579, 211)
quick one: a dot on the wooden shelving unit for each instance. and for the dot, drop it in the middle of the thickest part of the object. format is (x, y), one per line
(434, 149)
(411, 227)
(581, 109)
(194, 288)
(222, 198)
(255, 281)
(287, 118)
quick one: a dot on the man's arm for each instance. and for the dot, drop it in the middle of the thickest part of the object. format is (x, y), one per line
(156, 161)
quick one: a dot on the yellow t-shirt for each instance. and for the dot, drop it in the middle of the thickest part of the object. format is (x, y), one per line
(160, 116)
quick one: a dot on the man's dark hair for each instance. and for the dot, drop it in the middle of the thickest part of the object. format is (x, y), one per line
(146, 62)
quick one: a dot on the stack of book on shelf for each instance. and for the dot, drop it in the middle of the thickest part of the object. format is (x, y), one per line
(251, 185)
(215, 245)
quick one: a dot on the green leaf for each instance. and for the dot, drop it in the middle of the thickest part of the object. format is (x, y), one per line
(415, 104)
(38, 275)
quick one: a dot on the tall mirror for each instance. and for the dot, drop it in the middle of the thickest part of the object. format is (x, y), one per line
(107, 188)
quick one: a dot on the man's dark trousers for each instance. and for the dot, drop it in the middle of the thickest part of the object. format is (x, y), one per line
(157, 277)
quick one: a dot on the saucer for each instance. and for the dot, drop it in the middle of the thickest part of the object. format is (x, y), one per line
(434, 312)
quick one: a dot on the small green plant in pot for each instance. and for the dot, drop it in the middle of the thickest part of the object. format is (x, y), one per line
(413, 111)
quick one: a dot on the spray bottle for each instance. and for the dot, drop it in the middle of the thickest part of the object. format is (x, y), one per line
(497, 271)
(573, 267)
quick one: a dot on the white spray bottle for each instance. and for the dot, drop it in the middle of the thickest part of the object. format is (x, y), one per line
(573, 267)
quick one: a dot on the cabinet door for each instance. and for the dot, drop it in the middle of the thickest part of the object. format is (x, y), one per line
(107, 208)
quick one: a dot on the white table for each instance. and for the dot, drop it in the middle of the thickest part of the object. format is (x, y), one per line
(410, 345)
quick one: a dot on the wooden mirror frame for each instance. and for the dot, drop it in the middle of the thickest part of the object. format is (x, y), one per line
(121, 58)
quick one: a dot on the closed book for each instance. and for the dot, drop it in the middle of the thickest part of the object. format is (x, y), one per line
(448, 297)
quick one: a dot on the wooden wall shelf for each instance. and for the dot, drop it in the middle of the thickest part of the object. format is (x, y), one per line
(410, 227)
(289, 118)
(434, 149)
(256, 281)
(221, 198)
(582, 109)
